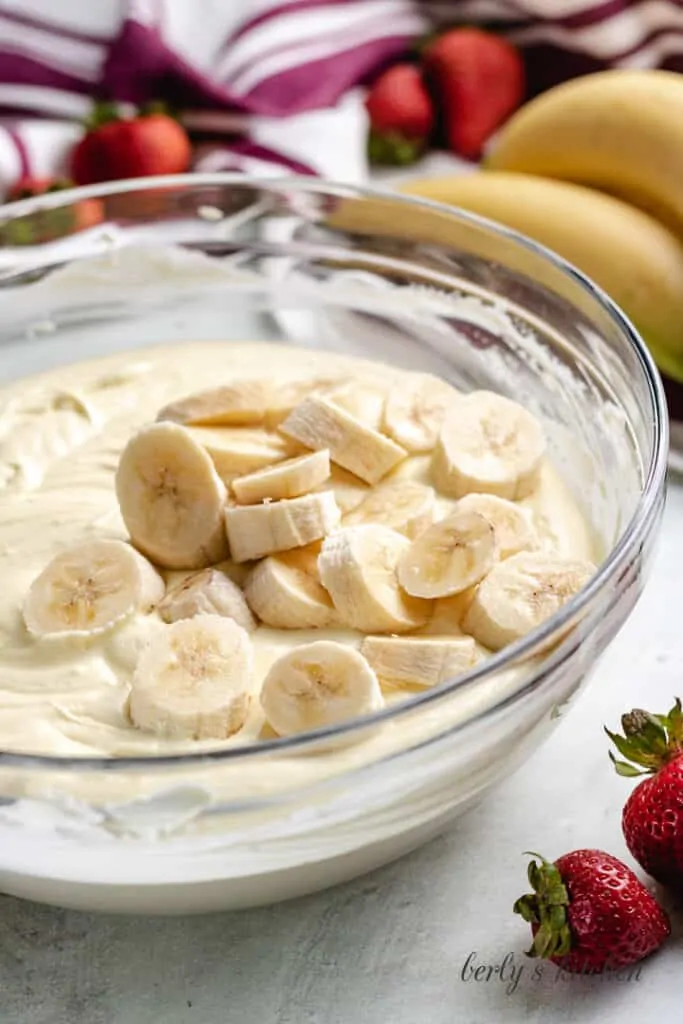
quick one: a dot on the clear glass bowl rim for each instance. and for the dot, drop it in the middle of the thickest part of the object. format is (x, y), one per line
(528, 646)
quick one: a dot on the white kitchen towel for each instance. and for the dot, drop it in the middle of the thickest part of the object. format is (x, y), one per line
(268, 86)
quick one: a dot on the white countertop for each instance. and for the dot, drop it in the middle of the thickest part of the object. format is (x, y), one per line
(394, 947)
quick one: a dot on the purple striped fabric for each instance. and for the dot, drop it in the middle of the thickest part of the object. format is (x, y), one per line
(282, 59)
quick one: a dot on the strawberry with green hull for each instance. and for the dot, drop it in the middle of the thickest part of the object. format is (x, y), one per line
(401, 116)
(47, 225)
(652, 819)
(589, 913)
(114, 147)
(478, 80)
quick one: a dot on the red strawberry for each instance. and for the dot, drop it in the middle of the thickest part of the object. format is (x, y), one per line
(401, 116)
(652, 819)
(589, 913)
(478, 80)
(114, 147)
(46, 225)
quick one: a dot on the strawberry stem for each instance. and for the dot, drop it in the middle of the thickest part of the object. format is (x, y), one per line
(649, 741)
(103, 112)
(392, 148)
(546, 909)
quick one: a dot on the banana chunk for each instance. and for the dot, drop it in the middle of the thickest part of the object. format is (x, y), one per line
(90, 588)
(287, 396)
(357, 567)
(284, 596)
(419, 661)
(317, 685)
(521, 593)
(488, 444)
(209, 592)
(415, 411)
(258, 530)
(235, 452)
(362, 401)
(289, 479)
(240, 404)
(452, 555)
(194, 680)
(405, 506)
(171, 498)
(319, 423)
(513, 524)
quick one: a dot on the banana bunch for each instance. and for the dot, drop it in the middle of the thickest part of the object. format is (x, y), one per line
(593, 170)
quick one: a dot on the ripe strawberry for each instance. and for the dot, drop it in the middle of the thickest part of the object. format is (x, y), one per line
(652, 819)
(115, 147)
(401, 116)
(46, 225)
(589, 913)
(478, 80)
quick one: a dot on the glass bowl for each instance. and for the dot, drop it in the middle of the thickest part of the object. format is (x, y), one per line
(371, 274)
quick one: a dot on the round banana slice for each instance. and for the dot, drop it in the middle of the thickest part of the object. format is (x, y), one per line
(90, 588)
(171, 498)
(513, 525)
(488, 444)
(289, 479)
(284, 596)
(317, 685)
(521, 593)
(194, 680)
(415, 410)
(348, 490)
(357, 567)
(258, 530)
(209, 592)
(419, 661)
(240, 404)
(405, 506)
(452, 555)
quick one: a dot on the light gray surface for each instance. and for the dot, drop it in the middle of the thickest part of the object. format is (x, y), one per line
(390, 948)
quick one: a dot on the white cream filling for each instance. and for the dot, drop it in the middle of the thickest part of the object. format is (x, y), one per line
(60, 435)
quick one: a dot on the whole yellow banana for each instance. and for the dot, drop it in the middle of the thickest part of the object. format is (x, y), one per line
(634, 258)
(619, 131)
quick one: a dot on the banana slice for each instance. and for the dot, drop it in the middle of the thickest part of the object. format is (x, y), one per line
(349, 491)
(357, 567)
(194, 680)
(362, 401)
(171, 498)
(405, 506)
(90, 588)
(418, 661)
(235, 452)
(521, 593)
(287, 396)
(317, 685)
(288, 479)
(240, 404)
(319, 423)
(513, 524)
(488, 444)
(415, 411)
(452, 555)
(284, 596)
(209, 592)
(257, 530)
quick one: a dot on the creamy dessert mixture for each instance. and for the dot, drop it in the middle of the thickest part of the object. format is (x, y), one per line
(210, 544)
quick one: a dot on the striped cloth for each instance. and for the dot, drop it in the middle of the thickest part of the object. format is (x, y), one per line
(267, 85)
